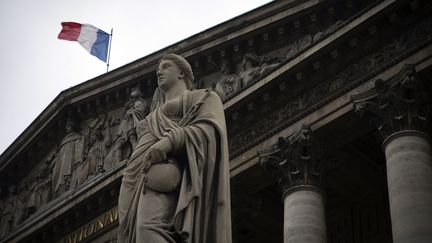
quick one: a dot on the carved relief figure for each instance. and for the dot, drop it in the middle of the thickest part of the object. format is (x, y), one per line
(39, 192)
(6, 219)
(269, 64)
(175, 187)
(14, 211)
(229, 83)
(70, 154)
(253, 66)
(126, 138)
(98, 147)
(20, 210)
(300, 44)
(249, 68)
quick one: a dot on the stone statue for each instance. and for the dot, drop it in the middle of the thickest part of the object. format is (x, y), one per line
(126, 138)
(14, 210)
(229, 83)
(175, 187)
(39, 191)
(98, 147)
(20, 209)
(249, 68)
(299, 45)
(70, 153)
(6, 219)
(254, 66)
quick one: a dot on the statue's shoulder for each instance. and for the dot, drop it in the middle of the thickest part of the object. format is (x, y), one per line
(204, 93)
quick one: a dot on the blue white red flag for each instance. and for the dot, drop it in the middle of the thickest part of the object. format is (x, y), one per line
(93, 39)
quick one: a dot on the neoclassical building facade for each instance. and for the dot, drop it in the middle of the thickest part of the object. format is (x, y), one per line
(328, 107)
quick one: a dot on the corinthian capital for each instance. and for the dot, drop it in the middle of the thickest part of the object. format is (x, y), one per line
(295, 161)
(400, 103)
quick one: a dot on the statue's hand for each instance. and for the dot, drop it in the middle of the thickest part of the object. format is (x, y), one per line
(158, 152)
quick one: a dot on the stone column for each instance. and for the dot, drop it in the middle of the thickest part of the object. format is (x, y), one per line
(295, 164)
(304, 217)
(400, 110)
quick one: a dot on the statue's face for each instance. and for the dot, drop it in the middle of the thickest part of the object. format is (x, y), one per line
(93, 137)
(168, 74)
(69, 127)
(224, 68)
(245, 64)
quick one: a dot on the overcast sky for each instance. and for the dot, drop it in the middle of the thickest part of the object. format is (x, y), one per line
(36, 66)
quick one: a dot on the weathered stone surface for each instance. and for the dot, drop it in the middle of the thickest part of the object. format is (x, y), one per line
(400, 108)
(287, 62)
(304, 217)
(299, 104)
(296, 161)
(298, 167)
(398, 104)
(409, 175)
(183, 139)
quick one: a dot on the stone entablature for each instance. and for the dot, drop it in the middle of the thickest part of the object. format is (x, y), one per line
(399, 104)
(306, 99)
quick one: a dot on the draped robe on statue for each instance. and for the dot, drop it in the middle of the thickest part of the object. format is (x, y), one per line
(70, 153)
(199, 210)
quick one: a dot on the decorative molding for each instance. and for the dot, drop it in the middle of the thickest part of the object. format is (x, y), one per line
(307, 101)
(400, 103)
(296, 162)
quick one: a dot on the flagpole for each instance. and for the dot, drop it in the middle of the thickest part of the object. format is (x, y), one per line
(109, 49)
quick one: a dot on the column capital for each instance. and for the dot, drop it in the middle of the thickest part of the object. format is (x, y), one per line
(400, 103)
(295, 161)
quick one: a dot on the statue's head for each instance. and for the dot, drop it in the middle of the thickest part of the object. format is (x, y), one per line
(225, 67)
(136, 93)
(250, 60)
(70, 125)
(173, 68)
(95, 135)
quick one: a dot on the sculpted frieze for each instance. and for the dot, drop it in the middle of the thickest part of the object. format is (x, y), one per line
(13, 210)
(40, 186)
(408, 41)
(88, 148)
(125, 138)
(254, 67)
(97, 147)
(70, 153)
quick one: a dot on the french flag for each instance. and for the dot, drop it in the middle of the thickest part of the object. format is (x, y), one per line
(93, 39)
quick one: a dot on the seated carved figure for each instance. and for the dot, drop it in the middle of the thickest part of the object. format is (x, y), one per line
(249, 68)
(254, 66)
(229, 83)
(175, 187)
